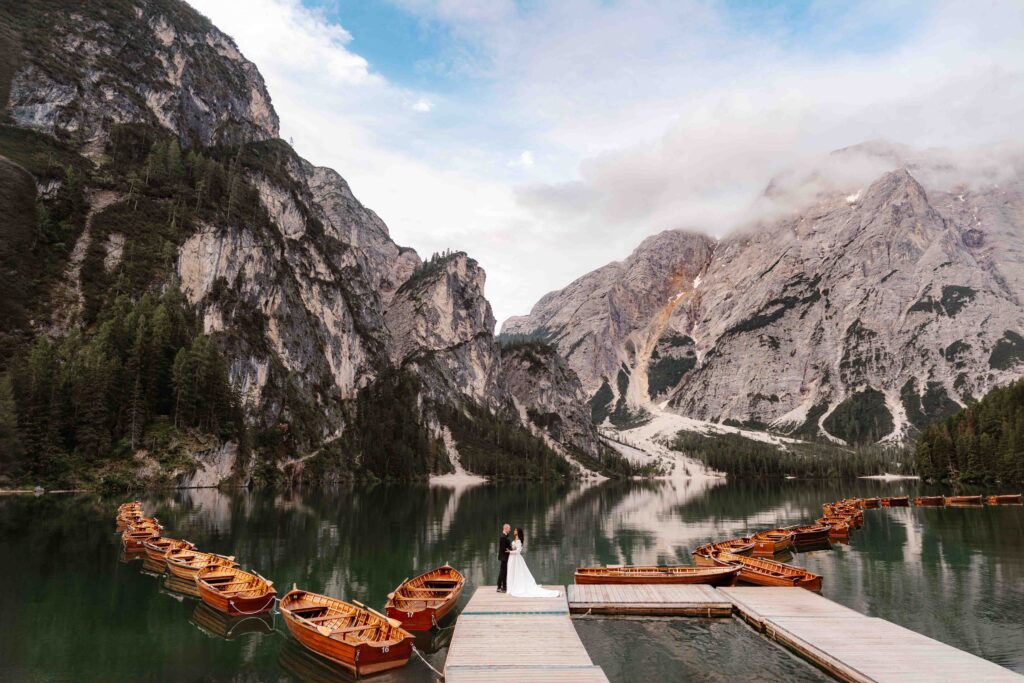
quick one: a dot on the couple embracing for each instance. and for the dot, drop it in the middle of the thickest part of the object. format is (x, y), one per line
(514, 576)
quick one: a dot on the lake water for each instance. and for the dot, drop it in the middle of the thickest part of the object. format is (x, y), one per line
(71, 611)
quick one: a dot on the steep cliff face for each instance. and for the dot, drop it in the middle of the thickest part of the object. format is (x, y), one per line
(442, 326)
(858, 318)
(87, 66)
(549, 394)
(302, 287)
(612, 325)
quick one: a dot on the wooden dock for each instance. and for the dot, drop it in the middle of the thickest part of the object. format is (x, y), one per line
(499, 638)
(649, 600)
(855, 647)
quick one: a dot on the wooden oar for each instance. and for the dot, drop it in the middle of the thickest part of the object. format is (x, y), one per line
(395, 623)
(392, 593)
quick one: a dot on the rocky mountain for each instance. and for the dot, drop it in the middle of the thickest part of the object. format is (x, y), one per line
(146, 147)
(866, 304)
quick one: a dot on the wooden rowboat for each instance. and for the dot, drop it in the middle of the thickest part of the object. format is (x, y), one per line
(186, 563)
(810, 534)
(157, 548)
(133, 539)
(1005, 499)
(839, 527)
(130, 519)
(736, 546)
(353, 635)
(964, 500)
(419, 604)
(868, 503)
(710, 576)
(896, 502)
(235, 592)
(703, 555)
(929, 501)
(761, 572)
(771, 542)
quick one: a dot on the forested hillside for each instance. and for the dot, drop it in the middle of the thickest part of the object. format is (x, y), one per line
(984, 442)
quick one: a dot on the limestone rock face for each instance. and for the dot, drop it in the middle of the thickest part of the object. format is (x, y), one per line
(858, 317)
(440, 319)
(308, 296)
(550, 394)
(181, 73)
(608, 323)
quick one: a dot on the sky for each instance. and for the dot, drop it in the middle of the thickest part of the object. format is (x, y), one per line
(547, 139)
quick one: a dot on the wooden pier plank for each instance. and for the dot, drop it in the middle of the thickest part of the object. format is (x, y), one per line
(648, 599)
(756, 603)
(853, 646)
(870, 649)
(501, 638)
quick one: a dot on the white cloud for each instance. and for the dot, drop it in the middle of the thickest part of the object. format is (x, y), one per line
(648, 114)
(525, 159)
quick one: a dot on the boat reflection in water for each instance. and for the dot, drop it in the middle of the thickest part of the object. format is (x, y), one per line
(180, 588)
(129, 556)
(820, 545)
(218, 625)
(151, 568)
(429, 642)
(306, 666)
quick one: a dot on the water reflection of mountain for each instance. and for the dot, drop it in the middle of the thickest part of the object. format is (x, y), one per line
(953, 574)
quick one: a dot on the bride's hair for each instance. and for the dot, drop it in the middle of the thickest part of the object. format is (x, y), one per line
(521, 535)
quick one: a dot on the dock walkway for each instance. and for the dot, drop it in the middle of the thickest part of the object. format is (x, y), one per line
(499, 638)
(649, 600)
(855, 647)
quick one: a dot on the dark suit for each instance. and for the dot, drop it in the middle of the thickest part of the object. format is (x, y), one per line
(504, 546)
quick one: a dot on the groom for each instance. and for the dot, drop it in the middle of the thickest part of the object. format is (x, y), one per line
(504, 546)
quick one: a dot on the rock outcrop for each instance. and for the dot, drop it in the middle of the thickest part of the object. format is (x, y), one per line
(861, 316)
(87, 66)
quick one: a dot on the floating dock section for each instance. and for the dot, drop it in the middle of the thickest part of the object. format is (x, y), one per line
(649, 600)
(499, 638)
(845, 643)
(855, 647)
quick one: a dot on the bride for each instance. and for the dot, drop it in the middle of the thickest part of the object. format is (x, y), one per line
(520, 580)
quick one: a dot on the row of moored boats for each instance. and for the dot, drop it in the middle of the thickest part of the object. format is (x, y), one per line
(752, 560)
(351, 634)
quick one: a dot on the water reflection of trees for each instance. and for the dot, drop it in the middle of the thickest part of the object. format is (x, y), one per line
(953, 574)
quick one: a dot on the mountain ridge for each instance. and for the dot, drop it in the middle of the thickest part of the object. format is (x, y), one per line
(172, 176)
(856, 300)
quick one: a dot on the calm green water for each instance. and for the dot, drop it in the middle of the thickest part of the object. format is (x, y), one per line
(71, 611)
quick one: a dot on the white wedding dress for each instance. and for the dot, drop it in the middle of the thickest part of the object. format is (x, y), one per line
(520, 580)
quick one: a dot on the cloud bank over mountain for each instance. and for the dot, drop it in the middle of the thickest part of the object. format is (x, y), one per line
(638, 115)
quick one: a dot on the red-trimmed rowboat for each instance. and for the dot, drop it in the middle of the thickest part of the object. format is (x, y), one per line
(839, 527)
(133, 538)
(157, 549)
(736, 546)
(710, 576)
(419, 604)
(810, 534)
(186, 562)
(929, 501)
(896, 502)
(235, 592)
(360, 639)
(1005, 499)
(760, 572)
(964, 500)
(772, 542)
